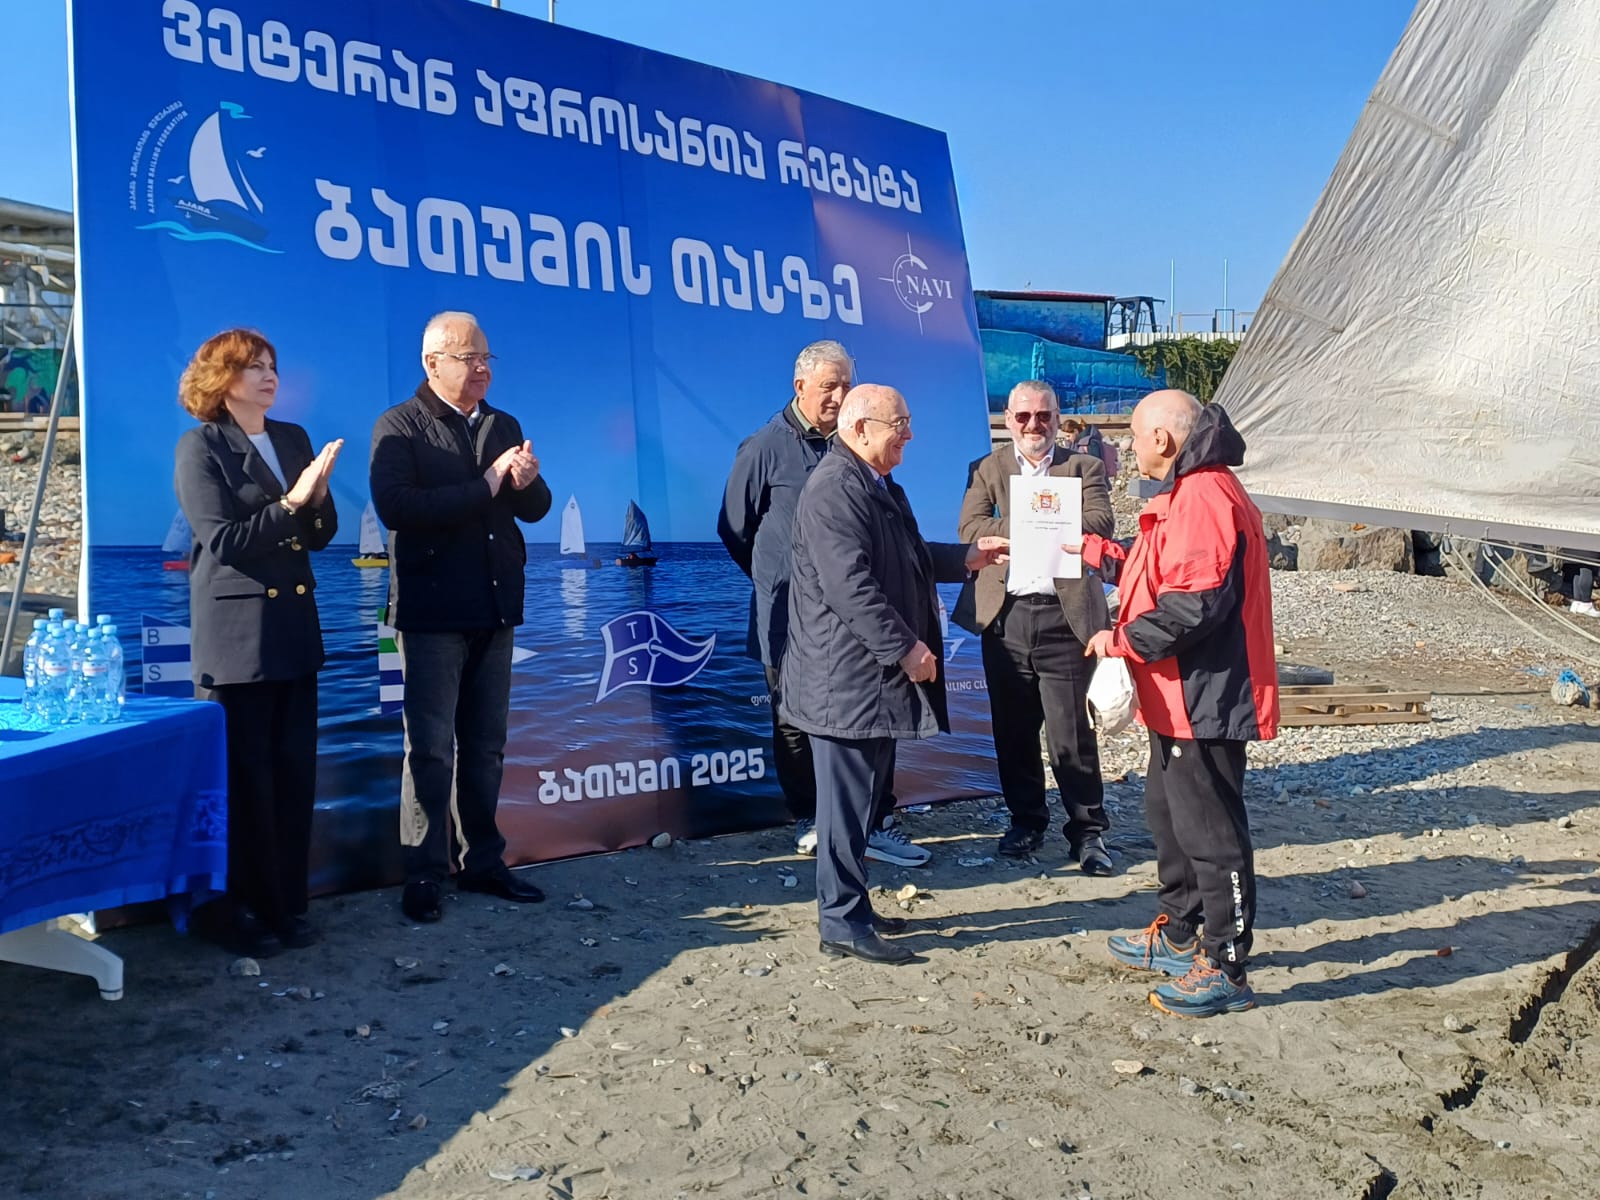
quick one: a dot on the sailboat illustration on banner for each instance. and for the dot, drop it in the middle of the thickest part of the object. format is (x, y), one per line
(179, 540)
(374, 550)
(637, 551)
(224, 201)
(574, 550)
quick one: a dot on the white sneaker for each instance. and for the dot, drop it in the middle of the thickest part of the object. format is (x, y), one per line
(1583, 610)
(891, 845)
(805, 838)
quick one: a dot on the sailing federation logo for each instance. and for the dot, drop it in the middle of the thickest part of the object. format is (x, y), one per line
(643, 650)
(915, 284)
(188, 176)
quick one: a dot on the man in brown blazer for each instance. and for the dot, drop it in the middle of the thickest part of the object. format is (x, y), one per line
(1033, 632)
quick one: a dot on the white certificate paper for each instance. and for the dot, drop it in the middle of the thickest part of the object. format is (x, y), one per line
(1045, 511)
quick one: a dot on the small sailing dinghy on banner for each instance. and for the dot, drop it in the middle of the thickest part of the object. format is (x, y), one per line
(374, 549)
(179, 540)
(637, 551)
(574, 550)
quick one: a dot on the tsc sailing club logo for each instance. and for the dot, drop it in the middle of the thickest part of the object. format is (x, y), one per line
(917, 285)
(644, 650)
(189, 176)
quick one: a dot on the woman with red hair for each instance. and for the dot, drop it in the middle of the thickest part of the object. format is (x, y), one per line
(257, 499)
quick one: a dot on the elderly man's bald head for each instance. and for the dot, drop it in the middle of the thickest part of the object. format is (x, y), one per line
(1162, 422)
(875, 422)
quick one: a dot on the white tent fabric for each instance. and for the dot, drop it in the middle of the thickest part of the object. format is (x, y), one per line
(1428, 355)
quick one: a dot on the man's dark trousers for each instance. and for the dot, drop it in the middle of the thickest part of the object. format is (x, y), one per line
(457, 693)
(853, 779)
(795, 766)
(1194, 805)
(1037, 676)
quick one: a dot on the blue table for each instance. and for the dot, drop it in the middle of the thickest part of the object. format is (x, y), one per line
(98, 816)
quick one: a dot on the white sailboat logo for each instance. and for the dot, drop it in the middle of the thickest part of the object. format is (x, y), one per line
(224, 203)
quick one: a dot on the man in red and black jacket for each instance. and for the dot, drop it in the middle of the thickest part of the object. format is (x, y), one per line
(1195, 628)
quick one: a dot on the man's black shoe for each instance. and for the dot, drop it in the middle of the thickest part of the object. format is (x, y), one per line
(1093, 857)
(882, 924)
(499, 881)
(248, 935)
(1018, 842)
(870, 948)
(420, 901)
(297, 933)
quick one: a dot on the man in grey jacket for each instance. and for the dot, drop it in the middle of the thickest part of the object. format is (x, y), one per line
(864, 665)
(756, 525)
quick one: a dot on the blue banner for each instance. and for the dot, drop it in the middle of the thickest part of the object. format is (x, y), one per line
(647, 242)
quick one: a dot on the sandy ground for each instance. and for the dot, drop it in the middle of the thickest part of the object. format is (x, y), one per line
(1436, 1035)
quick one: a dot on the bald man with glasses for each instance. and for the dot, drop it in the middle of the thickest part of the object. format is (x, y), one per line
(1033, 633)
(451, 476)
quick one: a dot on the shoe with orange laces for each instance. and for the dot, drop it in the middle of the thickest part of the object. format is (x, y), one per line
(1152, 949)
(1206, 991)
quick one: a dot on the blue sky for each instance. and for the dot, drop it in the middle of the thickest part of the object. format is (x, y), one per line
(1093, 143)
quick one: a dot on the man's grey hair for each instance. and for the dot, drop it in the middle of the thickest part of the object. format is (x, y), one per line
(817, 353)
(436, 334)
(1033, 387)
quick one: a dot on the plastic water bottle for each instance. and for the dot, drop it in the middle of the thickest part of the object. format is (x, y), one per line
(116, 675)
(55, 676)
(93, 677)
(75, 646)
(58, 615)
(30, 665)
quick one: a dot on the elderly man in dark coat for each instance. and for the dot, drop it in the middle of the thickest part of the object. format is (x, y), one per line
(864, 661)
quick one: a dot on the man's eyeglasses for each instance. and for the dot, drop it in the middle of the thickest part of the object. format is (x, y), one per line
(470, 361)
(899, 424)
(1041, 417)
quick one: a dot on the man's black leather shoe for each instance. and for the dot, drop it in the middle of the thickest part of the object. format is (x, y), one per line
(882, 924)
(420, 900)
(1018, 842)
(1093, 857)
(869, 948)
(499, 881)
(297, 932)
(248, 935)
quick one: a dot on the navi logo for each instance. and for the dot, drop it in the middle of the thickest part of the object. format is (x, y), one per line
(643, 650)
(915, 285)
(205, 195)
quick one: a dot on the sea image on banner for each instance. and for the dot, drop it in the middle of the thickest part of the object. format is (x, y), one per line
(646, 242)
(714, 728)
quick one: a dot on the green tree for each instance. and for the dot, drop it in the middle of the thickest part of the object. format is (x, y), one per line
(1194, 365)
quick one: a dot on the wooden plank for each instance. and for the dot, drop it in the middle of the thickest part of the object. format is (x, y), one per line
(1354, 699)
(1319, 689)
(1376, 718)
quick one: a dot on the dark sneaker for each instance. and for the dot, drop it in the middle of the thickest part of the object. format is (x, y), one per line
(1152, 949)
(1093, 857)
(1018, 842)
(1206, 991)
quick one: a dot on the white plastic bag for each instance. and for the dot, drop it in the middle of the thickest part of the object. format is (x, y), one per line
(1111, 698)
